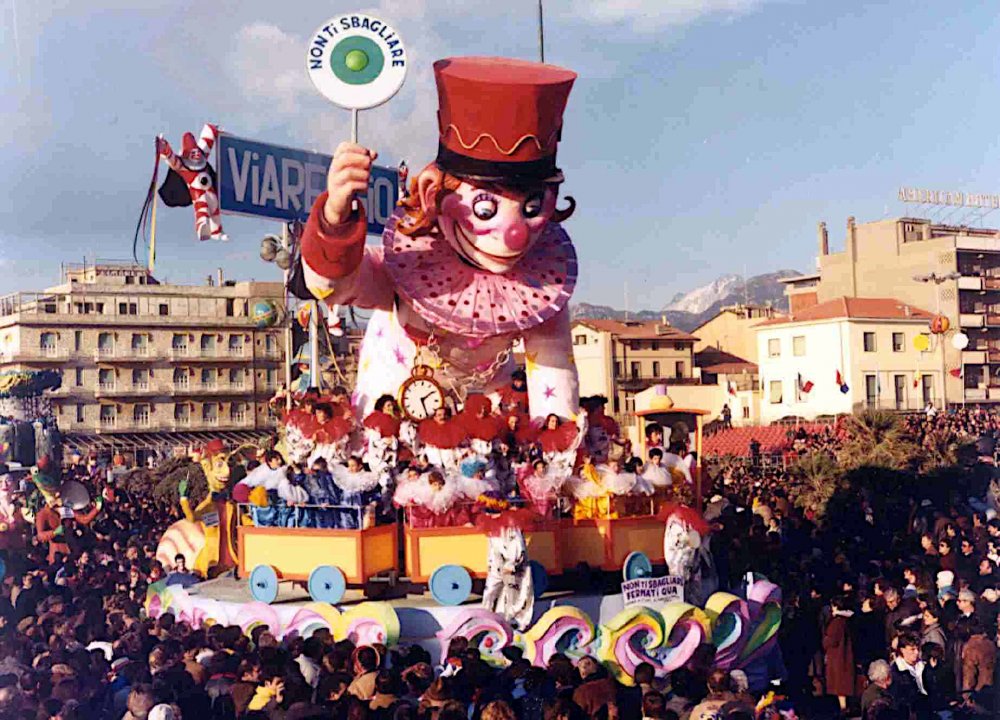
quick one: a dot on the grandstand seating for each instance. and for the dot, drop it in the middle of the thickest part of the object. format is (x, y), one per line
(736, 441)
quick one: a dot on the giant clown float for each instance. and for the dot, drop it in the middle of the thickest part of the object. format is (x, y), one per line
(473, 260)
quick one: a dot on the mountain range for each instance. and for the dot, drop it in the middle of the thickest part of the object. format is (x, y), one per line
(686, 311)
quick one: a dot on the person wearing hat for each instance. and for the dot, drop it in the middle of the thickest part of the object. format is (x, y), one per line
(476, 250)
(52, 520)
(509, 589)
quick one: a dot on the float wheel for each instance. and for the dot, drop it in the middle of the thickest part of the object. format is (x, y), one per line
(637, 565)
(327, 584)
(450, 585)
(264, 584)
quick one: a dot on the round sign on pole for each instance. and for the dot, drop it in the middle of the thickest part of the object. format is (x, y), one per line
(921, 342)
(960, 341)
(356, 61)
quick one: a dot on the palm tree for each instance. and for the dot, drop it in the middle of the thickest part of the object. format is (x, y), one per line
(817, 478)
(876, 438)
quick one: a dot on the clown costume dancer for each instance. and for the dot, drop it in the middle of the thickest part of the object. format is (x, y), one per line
(475, 257)
(199, 177)
(440, 438)
(509, 589)
(433, 501)
(359, 491)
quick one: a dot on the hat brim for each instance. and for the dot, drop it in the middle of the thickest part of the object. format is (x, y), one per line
(532, 172)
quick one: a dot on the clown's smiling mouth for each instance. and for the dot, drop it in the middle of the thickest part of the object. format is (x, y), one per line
(468, 247)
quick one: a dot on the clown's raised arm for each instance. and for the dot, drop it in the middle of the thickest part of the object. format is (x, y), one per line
(475, 256)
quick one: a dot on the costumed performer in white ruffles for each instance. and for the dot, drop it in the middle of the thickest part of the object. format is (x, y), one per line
(440, 439)
(269, 492)
(509, 589)
(359, 492)
(432, 500)
(381, 453)
(330, 436)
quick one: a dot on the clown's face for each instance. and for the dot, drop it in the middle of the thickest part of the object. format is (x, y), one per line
(194, 159)
(494, 227)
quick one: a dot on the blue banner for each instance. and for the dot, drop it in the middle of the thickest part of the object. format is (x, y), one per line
(281, 183)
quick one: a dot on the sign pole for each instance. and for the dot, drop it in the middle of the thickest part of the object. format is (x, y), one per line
(288, 327)
(541, 33)
(314, 376)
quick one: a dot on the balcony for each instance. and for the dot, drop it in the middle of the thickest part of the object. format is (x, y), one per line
(906, 405)
(125, 354)
(974, 357)
(631, 382)
(216, 354)
(971, 320)
(44, 354)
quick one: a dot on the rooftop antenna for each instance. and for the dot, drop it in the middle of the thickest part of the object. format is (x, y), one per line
(626, 301)
(746, 292)
(541, 33)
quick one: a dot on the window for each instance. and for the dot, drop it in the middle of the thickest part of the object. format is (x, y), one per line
(899, 391)
(774, 347)
(270, 343)
(871, 390)
(635, 370)
(129, 280)
(774, 392)
(105, 344)
(106, 379)
(207, 378)
(272, 378)
(179, 344)
(210, 413)
(77, 340)
(799, 345)
(630, 403)
(79, 413)
(100, 308)
(238, 412)
(230, 307)
(123, 308)
(133, 309)
(869, 342)
(579, 339)
(618, 370)
(656, 368)
(47, 343)
(79, 377)
(208, 344)
(898, 342)
(140, 344)
(655, 345)
(679, 369)
(746, 412)
(140, 414)
(927, 388)
(182, 414)
(164, 309)
(181, 378)
(236, 344)
(235, 378)
(140, 379)
(108, 416)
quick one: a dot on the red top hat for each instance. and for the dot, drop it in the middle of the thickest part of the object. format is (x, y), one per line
(190, 150)
(500, 119)
(212, 448)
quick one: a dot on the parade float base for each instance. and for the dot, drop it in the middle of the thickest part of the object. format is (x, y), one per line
(667, 634)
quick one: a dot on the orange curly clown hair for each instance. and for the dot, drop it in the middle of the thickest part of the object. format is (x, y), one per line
(433, 184)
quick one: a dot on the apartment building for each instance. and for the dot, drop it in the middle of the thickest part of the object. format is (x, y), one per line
(732, 330)
(895, 257)
(145, 364)
(618, 358)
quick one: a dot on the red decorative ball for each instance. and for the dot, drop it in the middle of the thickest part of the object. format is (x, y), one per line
(488, 642)
(940, 324)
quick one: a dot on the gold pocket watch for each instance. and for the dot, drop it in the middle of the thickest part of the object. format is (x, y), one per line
(420, 395)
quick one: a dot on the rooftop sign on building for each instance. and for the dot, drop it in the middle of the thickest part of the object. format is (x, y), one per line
(923, 196)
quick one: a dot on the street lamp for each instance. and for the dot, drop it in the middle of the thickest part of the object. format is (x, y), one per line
(937, 280)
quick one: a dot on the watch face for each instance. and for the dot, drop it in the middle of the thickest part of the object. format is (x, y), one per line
(421, 398)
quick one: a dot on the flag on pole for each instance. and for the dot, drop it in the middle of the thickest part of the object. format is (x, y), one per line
(731, 387)
(806, 386)
(916, 379)
(841, 384)
(955, 372)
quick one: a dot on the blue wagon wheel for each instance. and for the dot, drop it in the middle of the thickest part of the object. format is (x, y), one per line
(636, 566)
(539, 578)
(327, 584)
(450, 584)
(264, 584)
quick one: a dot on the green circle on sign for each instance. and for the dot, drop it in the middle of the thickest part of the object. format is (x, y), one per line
(356, 60)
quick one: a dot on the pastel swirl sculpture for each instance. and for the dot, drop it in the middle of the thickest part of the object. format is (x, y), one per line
(562, 629)
(630, 638)
(488, 632)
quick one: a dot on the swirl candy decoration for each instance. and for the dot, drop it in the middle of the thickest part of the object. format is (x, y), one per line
(764, 599)
(629, 639)
(488, 632)
(369, 623)
(730, 617)
(685, 628)
(561, 629)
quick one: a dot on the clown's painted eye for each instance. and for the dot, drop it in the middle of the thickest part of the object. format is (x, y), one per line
(532, 206)
(484, 207)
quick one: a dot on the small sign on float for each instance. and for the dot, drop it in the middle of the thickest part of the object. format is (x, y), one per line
(281, 183)
(653, 591)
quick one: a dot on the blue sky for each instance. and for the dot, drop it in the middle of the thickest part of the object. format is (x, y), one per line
(702, 137)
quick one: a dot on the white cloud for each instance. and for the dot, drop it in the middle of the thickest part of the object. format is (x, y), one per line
(653, 15)
(266, 65)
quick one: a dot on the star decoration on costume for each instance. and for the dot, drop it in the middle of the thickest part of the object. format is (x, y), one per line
(400, 358)
(550, 392)
(365, 364)
(378, 333)
(530, 363)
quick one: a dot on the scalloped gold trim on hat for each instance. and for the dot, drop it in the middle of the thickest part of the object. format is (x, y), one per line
(542, 148)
